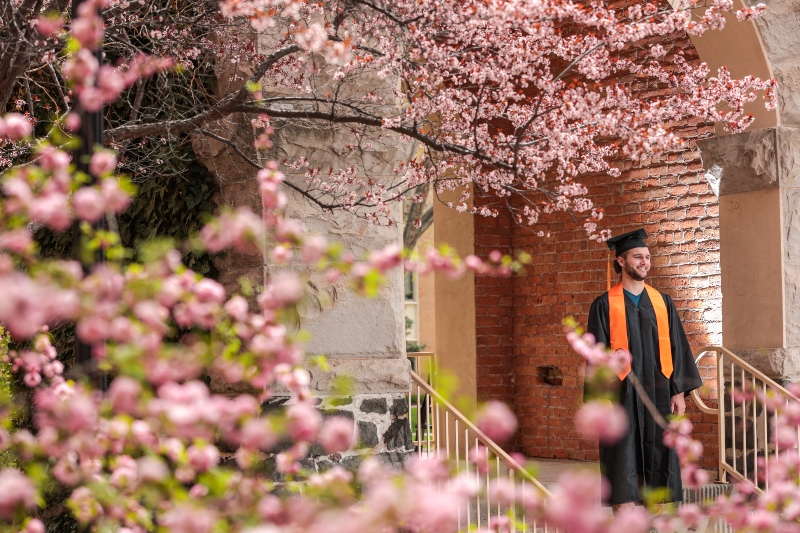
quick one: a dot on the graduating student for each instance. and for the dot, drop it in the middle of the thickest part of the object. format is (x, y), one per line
(636, 317)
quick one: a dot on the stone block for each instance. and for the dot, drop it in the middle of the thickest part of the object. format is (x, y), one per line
(399, 407)
(374, 405)
(394, 459)
(367, 434)
(778, 29)
(781, 364)
(743, 162)
(789, 155)
(788, 76)
(368, 375)
(327, 413)
(398, 435)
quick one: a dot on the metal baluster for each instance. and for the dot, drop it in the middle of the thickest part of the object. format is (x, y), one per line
(477, 491)
(458, 458)
(497, 462)
(744, 429)
(513, 498)
(488, 499)
(766, 438)
(733, 419)
(524, 514)
(447, 432)
(466, 464)
(429, 423)
(755, 432)
(438, 436)
(419, 426)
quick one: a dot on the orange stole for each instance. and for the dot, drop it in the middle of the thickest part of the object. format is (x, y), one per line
(618, 326)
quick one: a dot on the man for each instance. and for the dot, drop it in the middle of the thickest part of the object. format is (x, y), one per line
(635, 317)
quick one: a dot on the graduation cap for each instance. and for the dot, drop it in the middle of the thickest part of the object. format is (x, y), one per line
(627, 241)
(621, 244)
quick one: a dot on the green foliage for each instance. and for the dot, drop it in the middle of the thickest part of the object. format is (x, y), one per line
(172, 207)
(413, 346)
(6, 396)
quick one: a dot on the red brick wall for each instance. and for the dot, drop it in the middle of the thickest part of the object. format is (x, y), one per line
(519, 319)
(494, 314)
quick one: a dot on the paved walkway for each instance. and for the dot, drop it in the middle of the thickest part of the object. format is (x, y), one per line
(550, 469)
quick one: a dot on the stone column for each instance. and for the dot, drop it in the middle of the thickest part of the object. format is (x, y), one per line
(363, 339)
(758, 175)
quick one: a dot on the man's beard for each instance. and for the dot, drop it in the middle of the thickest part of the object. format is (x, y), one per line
(634, 275)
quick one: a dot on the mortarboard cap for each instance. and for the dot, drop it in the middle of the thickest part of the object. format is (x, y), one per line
(622, 243)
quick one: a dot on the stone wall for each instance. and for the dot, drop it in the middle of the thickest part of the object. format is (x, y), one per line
(519, 328)
(363, 339)
(381, 429)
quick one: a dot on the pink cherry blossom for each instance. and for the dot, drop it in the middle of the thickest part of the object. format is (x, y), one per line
(114, 197)
(34, 526)
(303, 421)
(102, 162)
(88, 29)
(17, 241)
(123, 393)
(53, 209)
(48, 26)
(18, 493)
(602, 420)
(337, 434)
(88, 204)
(52, 159)
(15, 126)
(203, 457)
(497, 421)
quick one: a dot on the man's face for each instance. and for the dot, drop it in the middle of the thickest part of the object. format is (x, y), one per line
(636, 263)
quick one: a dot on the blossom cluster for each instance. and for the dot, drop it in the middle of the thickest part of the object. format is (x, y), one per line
(528, 96)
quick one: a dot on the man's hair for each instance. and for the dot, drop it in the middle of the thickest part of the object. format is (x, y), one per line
(617, 266)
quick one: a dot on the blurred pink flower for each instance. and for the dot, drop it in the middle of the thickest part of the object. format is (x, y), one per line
(284, 288)
(102, 162)
(186, 518)
(497, 421)
(15, 126)
(203, 457)
(18, 241)
(18, 493)
(303, 421)
(602, 420)
(314, 248)
(116, 199)
(632, 520)
(258, 434)
(88, 204)
(49, 25)
(52, 159)
(337, 434)
(88, 30)
(124, 394)
(52, 209)
(34, 526)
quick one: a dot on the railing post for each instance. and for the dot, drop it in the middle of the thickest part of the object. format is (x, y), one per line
(721, 475)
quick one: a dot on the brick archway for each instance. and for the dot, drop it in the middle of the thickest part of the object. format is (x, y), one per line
(517, 322)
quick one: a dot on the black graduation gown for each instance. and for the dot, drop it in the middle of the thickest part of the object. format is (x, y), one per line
(641, 453)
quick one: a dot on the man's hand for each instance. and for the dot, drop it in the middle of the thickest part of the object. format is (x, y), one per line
(678, 404)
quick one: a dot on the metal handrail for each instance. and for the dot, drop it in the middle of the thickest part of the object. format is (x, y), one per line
(441, 431)
(480, 435)
(746, 373)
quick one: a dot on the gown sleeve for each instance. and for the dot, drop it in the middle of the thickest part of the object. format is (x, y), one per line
(598, 320)
(685, 376)
(597, 326)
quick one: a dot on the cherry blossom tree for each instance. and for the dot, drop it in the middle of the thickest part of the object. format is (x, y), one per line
(148, 454)
(510, 100)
